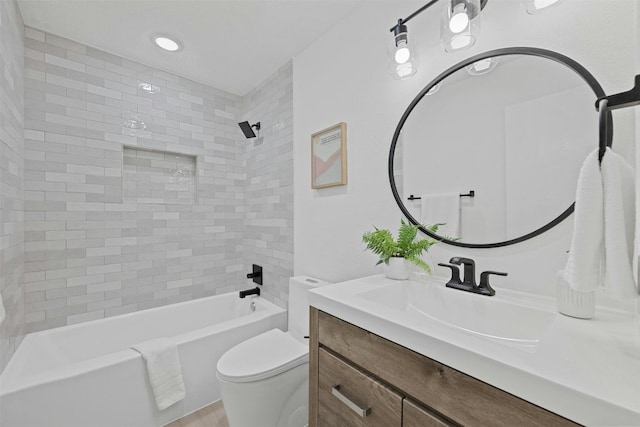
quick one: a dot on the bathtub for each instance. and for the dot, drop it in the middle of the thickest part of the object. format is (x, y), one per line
(86, 374)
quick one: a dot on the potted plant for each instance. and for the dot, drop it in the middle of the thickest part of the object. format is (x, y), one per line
(395, 253)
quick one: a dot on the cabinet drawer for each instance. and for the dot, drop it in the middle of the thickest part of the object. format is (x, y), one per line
(415, 416)
(348, 397)
(457, 396)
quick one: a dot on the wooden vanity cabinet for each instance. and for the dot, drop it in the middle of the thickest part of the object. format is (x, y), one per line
(395, 386)
(413, 415)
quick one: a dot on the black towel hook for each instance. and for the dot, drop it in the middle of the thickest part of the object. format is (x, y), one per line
(606, 104)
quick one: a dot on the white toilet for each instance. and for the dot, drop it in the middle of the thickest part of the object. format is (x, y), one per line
(264, 381)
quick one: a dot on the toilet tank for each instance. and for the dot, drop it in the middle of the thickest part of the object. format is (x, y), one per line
(298, 315)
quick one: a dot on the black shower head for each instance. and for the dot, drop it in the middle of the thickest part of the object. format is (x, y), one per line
(246, 129)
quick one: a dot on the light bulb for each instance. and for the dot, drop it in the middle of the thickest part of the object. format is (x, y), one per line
(402, 54)
(459, 19)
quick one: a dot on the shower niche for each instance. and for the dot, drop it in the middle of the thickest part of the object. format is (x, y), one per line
(158, 177)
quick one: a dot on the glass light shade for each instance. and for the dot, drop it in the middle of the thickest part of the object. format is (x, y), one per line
(483, 66)
(460, 24)
(402, 57)
(538, 6)
(434, 89)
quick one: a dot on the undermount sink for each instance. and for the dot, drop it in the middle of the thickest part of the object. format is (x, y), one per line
(496, 318)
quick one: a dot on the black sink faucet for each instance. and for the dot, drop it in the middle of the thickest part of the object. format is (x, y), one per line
(469, 281)
(469, 278)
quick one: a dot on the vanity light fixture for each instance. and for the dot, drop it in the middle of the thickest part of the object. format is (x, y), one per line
(403, 61)
(168, 43)
(459, 29)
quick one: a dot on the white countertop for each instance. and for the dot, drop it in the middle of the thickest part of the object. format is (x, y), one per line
(585, 370)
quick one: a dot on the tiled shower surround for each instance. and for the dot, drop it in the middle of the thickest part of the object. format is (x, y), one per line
(11, 178)
(268, 208)
(158, 177)
(105, 234)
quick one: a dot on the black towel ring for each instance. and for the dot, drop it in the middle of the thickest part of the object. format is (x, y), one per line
(606, 104)
(604, 125)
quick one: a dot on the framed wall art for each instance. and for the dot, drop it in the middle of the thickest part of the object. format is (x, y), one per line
(329, 157)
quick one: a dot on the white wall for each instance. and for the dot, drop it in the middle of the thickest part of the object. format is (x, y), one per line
(343, 77)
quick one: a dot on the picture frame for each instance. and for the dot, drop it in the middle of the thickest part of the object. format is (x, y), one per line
(329, 157)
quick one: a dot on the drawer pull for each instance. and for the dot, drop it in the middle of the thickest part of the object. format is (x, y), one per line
(335, 390)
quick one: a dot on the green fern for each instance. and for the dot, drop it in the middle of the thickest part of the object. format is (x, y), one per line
(382, 243)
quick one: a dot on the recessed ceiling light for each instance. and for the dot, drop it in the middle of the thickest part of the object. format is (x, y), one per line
(167, 43)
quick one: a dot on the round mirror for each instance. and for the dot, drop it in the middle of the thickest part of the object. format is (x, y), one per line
(493, 146)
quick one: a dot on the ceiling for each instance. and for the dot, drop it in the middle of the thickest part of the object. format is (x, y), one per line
(229, 44)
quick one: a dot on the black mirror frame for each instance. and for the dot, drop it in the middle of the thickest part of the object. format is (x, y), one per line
(564, 60)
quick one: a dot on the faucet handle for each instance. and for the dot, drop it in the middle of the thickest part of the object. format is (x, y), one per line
(484, 285)
(455, 273)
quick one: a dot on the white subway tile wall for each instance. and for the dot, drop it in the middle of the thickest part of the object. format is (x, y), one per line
(158, 177)
(112, 224)
(268, 210)
(12, 155)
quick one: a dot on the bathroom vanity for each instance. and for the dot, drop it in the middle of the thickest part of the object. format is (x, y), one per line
(403, 387)
(379, 357)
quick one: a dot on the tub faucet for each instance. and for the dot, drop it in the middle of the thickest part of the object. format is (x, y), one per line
(256, 274)
(254, 291)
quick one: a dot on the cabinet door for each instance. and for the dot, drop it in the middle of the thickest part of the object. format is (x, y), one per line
(416, 416)
(349, 397)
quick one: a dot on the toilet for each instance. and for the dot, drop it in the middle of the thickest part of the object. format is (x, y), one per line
(264, 381)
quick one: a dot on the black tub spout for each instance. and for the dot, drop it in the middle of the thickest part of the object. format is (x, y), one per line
(254, 291)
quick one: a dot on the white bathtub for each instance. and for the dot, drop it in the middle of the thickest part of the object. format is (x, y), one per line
(86, 374)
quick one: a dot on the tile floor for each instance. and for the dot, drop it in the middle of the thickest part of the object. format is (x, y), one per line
(209, 416)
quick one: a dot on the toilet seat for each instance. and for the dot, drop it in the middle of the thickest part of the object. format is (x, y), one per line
(261, 357)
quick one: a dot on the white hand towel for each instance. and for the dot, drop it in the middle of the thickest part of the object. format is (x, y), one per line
(442, 208)
(164, 370)
(583, 271)
(619, 226)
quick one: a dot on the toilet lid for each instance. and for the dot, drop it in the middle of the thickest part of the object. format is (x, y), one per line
(261, 357)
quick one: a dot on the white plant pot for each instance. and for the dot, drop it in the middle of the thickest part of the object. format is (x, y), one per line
(397, 269)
